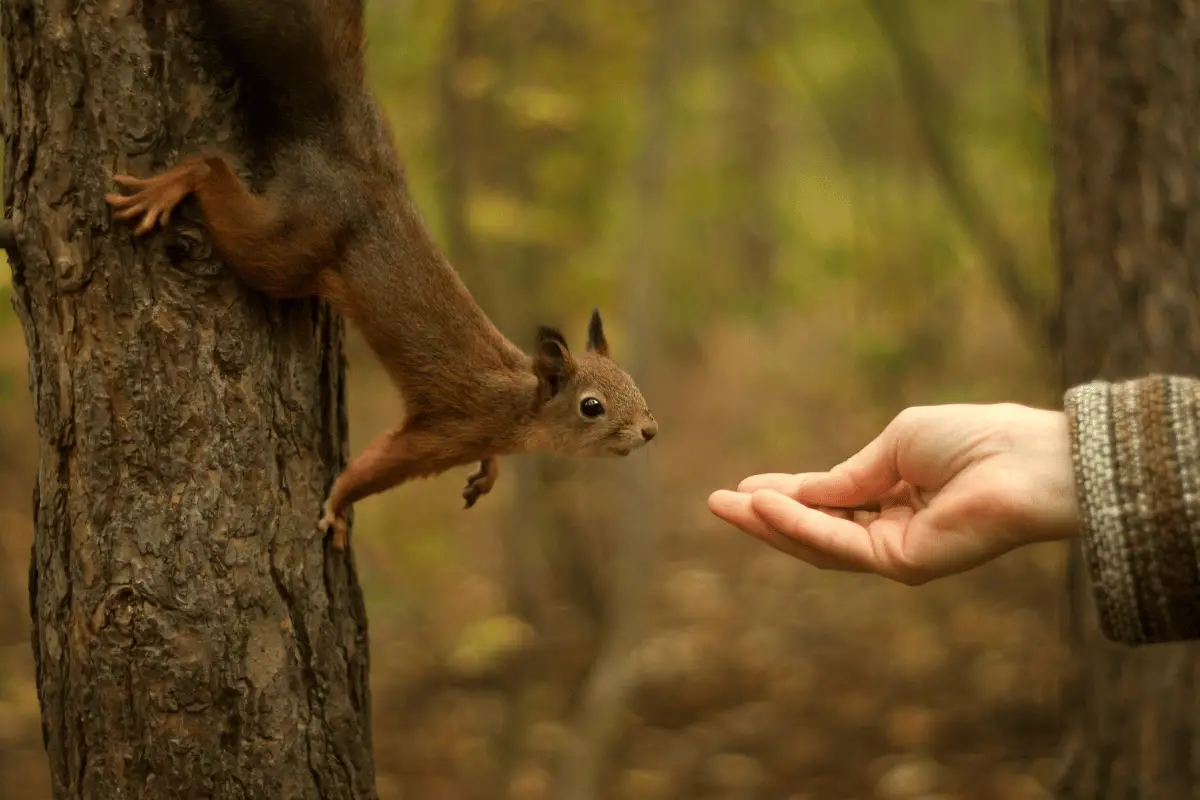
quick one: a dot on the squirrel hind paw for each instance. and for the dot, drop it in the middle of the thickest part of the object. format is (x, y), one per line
(338, 524)
(153, 199)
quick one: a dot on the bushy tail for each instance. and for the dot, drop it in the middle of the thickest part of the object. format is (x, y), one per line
(301, 61)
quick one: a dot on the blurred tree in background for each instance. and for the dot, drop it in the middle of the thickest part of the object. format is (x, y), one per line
(1124, 114)
(796, 218)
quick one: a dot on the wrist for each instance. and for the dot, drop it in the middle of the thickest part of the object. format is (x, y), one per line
(1053, 512)
(1044, 503)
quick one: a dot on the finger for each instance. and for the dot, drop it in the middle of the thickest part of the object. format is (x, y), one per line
(860, 479)
(742, 517)
(339, 534)
(132, 211)
(838, 539)
(881, 543)
(781, 482)
(790, 485)
(147, 222)
(735, 509)
(130, 181)
(114, 199)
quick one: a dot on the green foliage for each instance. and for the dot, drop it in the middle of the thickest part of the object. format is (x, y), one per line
(486, 646)
(559, 91)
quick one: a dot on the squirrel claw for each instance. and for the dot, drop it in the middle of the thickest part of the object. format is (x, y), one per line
(479, 483)
(335, 521)
(470, 495)
(154, 199)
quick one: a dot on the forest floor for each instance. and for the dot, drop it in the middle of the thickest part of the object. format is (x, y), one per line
(759, 677)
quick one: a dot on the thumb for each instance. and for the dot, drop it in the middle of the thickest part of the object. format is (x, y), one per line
(863, 477)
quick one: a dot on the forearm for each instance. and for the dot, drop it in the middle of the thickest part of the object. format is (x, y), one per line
(1136, 452)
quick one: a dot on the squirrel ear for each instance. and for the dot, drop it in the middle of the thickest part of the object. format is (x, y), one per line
(596, 341)
(552, 363)
(551, 343)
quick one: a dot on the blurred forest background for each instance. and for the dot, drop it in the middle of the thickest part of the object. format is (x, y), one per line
(797, 219)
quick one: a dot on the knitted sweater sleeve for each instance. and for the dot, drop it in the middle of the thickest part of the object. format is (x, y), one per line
(1136, 451)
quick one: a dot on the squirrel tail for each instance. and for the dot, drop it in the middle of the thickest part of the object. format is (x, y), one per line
(301, 61)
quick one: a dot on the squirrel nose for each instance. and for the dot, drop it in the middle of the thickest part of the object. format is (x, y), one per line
(649, 430)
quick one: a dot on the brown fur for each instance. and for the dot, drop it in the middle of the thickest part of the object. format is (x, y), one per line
(337, 222)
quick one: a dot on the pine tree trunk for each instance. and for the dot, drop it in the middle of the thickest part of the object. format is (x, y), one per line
(193, 635)
(1126, 118)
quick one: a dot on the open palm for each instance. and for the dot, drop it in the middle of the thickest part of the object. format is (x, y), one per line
(953, 487)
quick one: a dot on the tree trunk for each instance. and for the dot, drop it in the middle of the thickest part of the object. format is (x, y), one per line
(1126, 114)
(193, 637)
(752, 144)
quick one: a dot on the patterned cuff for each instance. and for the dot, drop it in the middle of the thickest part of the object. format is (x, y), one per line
(1136, 451)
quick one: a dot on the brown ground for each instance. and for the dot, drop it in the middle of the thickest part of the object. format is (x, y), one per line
(760, 678)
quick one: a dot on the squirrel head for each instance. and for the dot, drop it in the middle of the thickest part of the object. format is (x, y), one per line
(586, 404)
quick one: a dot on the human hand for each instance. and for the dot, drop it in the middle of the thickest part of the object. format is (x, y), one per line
(957, 486)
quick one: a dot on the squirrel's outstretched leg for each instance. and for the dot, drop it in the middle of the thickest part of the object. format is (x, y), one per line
(260, 236)
(391, 459)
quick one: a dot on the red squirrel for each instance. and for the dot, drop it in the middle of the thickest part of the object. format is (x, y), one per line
(336, 221)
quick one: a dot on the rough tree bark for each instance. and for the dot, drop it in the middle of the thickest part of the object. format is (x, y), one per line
(1126, 119)
(193, 636)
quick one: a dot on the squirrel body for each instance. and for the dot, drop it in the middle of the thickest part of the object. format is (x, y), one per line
(336, 221)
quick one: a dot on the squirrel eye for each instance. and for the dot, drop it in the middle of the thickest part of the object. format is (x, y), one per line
(591, 407)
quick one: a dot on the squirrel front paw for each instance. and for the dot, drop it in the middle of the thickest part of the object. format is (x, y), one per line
(479, 482)
(334, 519)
